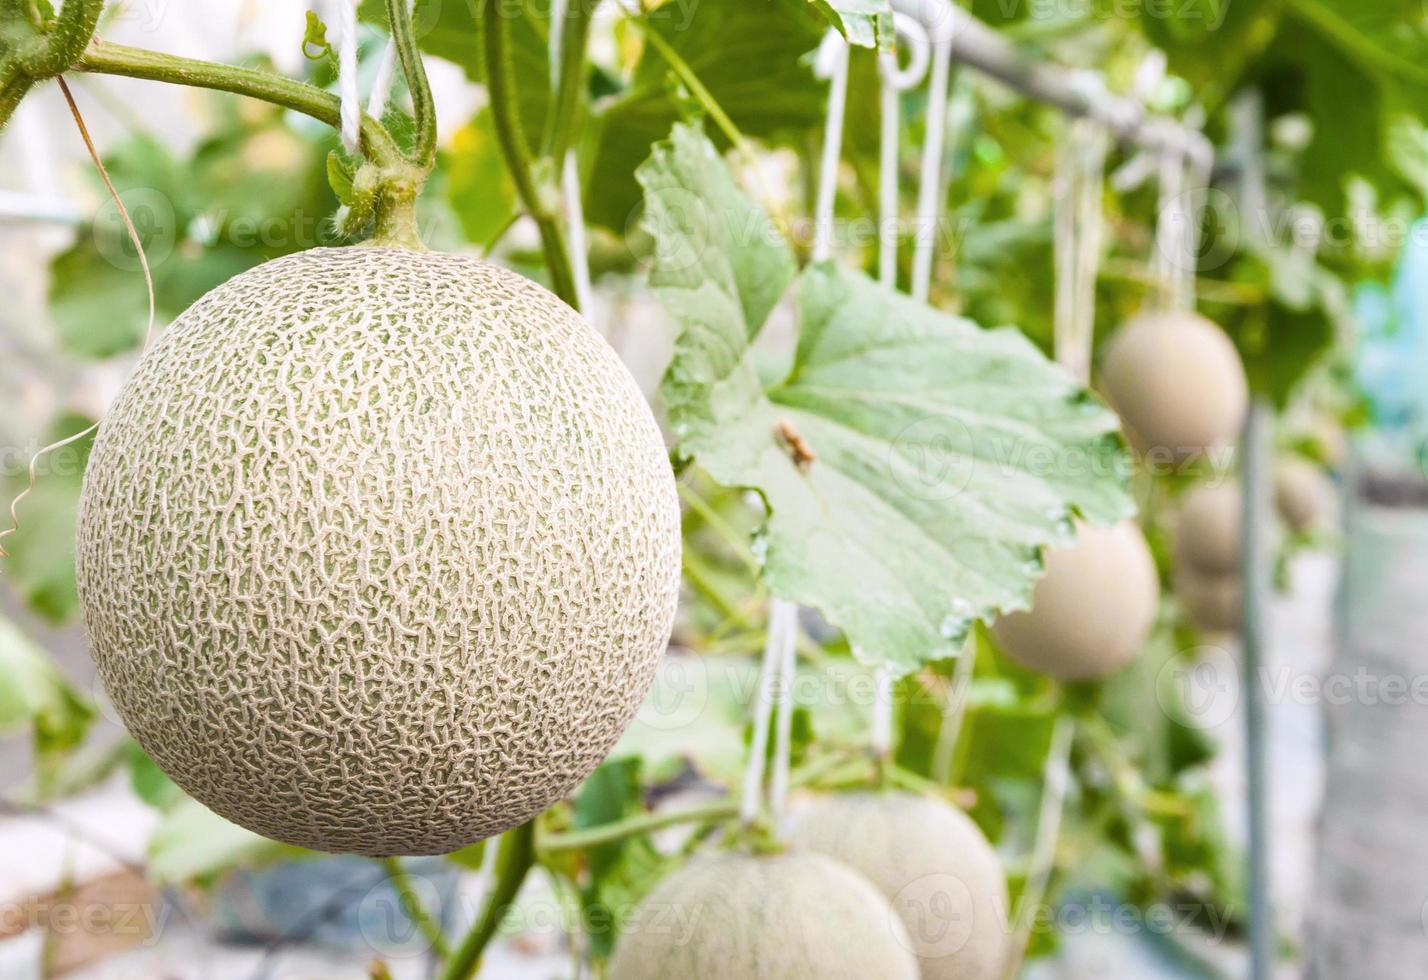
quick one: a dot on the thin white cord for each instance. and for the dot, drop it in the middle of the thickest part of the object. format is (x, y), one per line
(882, 729)
(1170, 231)
(954, 709)
(764, 695)
(1077, 239)
(382, 84)
(1056, 781)
(575, 221)
(932, 189)
(832, 63)
(343, 17)
(783, 741)
(890, 98)
(894, 80)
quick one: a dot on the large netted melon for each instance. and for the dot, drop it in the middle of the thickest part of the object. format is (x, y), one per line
(1093, 609)
(777, 917)
(932, 862)
(378, 550)
(1177, 382)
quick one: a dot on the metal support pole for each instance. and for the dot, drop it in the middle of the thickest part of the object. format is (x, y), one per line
(1255, 485)
(1078, 93)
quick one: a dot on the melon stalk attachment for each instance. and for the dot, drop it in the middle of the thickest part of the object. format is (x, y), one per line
(388, 181)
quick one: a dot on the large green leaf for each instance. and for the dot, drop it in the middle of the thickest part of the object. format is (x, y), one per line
(915, 466)
(749, 54)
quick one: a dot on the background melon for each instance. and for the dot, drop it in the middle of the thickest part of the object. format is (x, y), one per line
(1207, 531)
(1213, 602)
(932, 862)
(1303, 494)
(1093, 609)
(780, 917)
(378, 550)
(1177, 382)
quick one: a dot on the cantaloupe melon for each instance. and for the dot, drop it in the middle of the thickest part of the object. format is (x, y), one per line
(775, 917)
(1213, 602)
(1303, 494)
(1177, 382)
(932, 862)
(378, 550)
(1207, 530)
(1093, 609)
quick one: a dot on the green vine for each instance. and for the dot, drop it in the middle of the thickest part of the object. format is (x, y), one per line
(537, 196)
(515, 856)
(31, 51)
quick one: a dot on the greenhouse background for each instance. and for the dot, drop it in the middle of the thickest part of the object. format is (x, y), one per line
(1237, 796)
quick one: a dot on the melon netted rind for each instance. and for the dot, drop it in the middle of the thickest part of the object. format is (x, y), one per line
(378, 550)
(778, 917)
(935, 866)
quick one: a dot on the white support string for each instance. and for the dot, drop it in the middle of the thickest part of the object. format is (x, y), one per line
(1171, 263)
(783, 737)
(831, 63)
(382, 84)
(882, 729)
(932, 191)
(954, 709)
(770, 672)
(343, 19)
(1077, 240)
(1056, 781)
(894, 80)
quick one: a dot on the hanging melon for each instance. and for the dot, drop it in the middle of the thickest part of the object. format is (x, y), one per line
(774, 917)
(932, 862)
(1093, 609)
(1303, 494)
(1178, 384)
(379, 550)
(1207, 531)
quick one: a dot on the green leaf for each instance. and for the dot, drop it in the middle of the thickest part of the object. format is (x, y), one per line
(150, 783)
(866, 23)
(945, 457)
(749, 54)
(339, 176)
(620, 872)
(34, 693)
(479, 187)
(192, 843)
